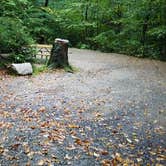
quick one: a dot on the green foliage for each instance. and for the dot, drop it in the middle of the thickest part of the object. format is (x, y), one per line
(14, 35)
(26, 55)
(2, 65)
(131, 27)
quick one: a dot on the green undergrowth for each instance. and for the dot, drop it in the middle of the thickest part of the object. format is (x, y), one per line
(37, 69)
(2, 65)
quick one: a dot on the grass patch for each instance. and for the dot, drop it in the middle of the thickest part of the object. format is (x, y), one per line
(71, 69)
(39, 69)
(67, 68)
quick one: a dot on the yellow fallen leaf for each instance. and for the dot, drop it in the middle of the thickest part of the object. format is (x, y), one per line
(30, 154)
(73, 126)
(42, 109)
(160, 159)
(139, 160)
(106, 162)
(40, 163)
(118, 157)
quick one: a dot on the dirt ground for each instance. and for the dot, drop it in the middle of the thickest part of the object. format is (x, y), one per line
(111, 112)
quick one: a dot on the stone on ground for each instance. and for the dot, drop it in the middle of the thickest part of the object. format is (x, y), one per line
(22, 68)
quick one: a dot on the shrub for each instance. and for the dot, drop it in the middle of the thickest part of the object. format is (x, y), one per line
(14, 38)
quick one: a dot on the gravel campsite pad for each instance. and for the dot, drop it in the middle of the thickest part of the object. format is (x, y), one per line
(111, 112)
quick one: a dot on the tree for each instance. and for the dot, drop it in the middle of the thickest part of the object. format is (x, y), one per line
(131, 27)
(14, 35)
(46, 3)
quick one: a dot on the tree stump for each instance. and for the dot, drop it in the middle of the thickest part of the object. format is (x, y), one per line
(59, 54)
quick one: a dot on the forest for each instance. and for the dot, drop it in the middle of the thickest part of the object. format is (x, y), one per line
(136, 28)
(82, 82)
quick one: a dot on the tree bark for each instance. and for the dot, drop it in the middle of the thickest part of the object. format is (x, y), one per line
(46, 3)
(59, 54)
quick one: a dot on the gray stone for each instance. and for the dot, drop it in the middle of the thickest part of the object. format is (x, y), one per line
(22, 68)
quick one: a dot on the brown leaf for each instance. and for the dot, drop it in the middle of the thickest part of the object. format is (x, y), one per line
(32, 127)
(104, 152)
(82, 142)
(106, 162)
(42, 109)
(1, 150)
(73, 126)
(114, 131)
(78, 141)
(15, 146)
(28, 164)
(118, 157)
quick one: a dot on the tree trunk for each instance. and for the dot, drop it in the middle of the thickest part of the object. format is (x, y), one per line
(163, 49)
(46, 3)
(59, 54)
(86, 16)
(144, 31)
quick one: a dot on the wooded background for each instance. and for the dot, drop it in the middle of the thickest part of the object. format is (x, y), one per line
(124, 26)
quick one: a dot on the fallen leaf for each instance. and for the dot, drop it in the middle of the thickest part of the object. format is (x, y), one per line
(32, 127)
(67, 157)
(96, 154)
(15, 146)
(128, 140)
(30, 154)
(1, 150)
(82, 142)
(73, 126)
(104, 152)
(26, 148)
(71, 147)
(40, 163)
(106, 162)
(118, 157)
(139, 160)
(42, 109)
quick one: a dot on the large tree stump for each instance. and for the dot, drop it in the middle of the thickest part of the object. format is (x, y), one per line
(59, 54)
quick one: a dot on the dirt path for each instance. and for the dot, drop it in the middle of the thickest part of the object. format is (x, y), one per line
(110, 112)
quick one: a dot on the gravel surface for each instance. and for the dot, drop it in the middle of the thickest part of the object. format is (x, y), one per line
(111, 112)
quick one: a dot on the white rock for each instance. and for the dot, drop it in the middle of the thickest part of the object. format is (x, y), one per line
(22, 68)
